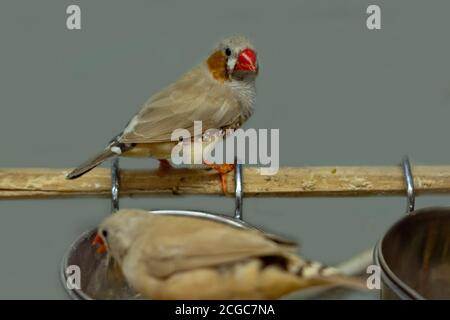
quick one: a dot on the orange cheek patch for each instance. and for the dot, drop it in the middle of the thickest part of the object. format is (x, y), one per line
(217, 65)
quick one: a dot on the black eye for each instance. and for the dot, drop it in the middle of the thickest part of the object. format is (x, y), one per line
(104, 233)
(228, 52)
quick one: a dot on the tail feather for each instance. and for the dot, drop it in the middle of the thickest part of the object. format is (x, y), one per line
(341, 280)
(91, 163)
(317, 274)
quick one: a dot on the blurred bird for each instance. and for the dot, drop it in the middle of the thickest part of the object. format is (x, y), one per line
(179, 257)
(220, 92)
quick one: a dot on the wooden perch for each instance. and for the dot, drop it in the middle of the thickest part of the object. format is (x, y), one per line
(289, 181)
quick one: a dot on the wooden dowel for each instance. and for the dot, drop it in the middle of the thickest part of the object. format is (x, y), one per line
(25, 183)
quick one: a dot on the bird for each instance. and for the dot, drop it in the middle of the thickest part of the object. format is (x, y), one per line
(220, 92)
(183, 257)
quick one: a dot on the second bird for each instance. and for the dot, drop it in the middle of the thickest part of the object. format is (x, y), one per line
(220, 93)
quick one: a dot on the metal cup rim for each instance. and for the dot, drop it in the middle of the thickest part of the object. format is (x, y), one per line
(392, 280)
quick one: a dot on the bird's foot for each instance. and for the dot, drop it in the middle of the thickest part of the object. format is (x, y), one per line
(223, 170)
(164, 166)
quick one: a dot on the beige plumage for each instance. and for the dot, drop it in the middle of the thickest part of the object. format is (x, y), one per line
(220, 92)
(173, 257)
(196, 96)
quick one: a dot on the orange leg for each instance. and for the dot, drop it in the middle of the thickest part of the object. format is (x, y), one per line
(223, 170)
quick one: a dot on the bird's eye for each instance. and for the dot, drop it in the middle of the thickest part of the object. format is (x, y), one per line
(228, 52)
(104, 233)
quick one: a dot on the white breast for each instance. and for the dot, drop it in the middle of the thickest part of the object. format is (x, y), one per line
(245, 93)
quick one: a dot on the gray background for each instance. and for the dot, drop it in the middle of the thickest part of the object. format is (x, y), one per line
(340, 94)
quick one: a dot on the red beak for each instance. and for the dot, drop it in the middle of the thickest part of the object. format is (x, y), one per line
(246, 61)
(98, 240)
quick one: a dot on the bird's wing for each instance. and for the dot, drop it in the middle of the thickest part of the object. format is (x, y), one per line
(173, 244)
(196, 96)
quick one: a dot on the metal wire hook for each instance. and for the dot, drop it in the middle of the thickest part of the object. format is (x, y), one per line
(239, 192)
(115, 184)
(409, 180)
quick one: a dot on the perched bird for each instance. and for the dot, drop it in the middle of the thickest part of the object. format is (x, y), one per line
(179, 257)
(220, 92)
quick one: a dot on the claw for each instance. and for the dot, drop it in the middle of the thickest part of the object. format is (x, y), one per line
(223, 182)
(223, 170)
